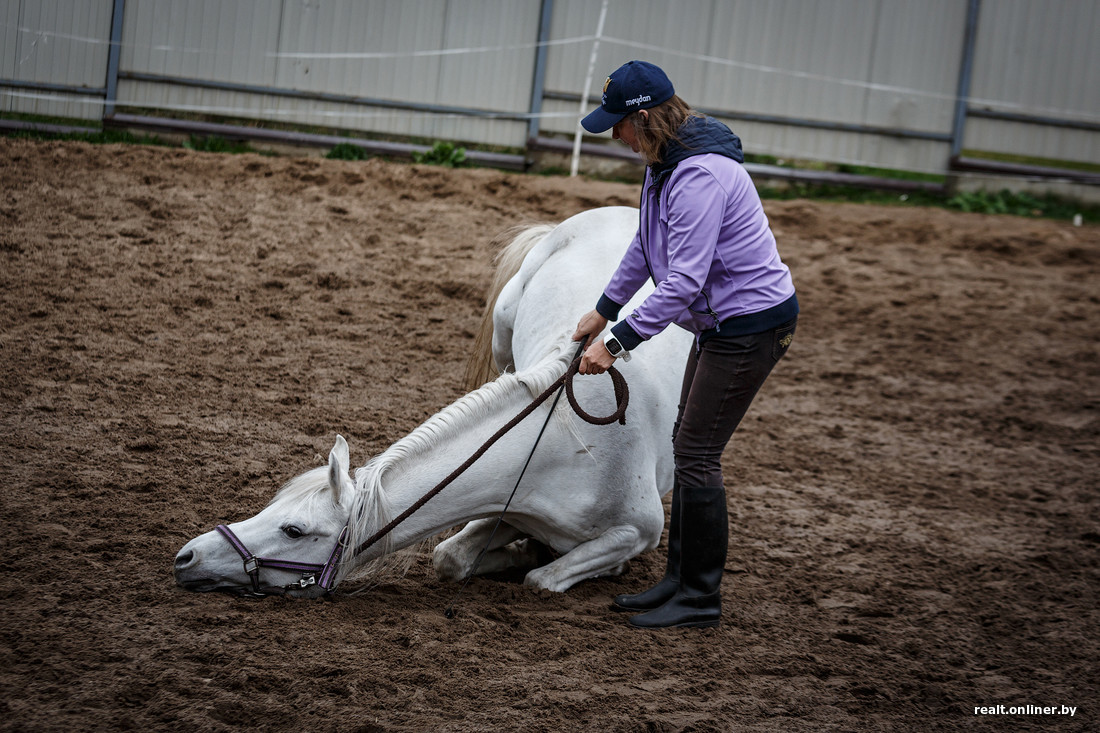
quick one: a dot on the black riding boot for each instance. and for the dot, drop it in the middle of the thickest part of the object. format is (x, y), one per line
(704, 540)
(666, 587)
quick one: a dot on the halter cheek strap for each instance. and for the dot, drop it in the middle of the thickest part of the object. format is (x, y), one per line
(312, 573)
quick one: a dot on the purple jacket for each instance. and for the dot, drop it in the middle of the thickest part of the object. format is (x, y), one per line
(705, 242)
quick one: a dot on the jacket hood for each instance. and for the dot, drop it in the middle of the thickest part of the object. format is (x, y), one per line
(699, 135)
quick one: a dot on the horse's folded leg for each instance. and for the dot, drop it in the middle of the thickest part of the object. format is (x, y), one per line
(454, 557)
(606, 555)
(519, 554)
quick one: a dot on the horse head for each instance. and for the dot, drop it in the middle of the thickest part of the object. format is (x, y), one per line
(292, 547)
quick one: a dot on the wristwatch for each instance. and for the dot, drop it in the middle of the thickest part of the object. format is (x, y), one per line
(616, 349)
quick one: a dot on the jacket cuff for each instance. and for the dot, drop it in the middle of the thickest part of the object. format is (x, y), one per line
(608, 308)
(626, 335)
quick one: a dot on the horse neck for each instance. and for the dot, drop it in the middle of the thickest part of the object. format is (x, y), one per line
(411, 467)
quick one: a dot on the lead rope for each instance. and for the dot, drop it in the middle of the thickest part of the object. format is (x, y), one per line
(565, 381)
(450, 611)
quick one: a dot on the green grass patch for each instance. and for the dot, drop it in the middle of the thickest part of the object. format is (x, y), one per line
(92, 125)
(1022, 204)
(209, 144)
(216, 144)
(95, 137)
(850, 194)
(347, 151)
(979, 202)
(442, 153)
(1072, 165)
(898, 175)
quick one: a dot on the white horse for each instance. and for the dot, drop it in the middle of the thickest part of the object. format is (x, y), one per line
(592, 494)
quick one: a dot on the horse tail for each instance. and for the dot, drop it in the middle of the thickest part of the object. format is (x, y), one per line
(512, 247)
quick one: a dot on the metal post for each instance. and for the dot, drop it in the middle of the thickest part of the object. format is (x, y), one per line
(584, 95)
(962, 96)
(538, 84)
(113, 56)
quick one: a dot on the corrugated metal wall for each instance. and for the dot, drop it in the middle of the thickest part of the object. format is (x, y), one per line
(423, 52)
(54, 43)
(1039, 58)
(869, 82)
(870, 63)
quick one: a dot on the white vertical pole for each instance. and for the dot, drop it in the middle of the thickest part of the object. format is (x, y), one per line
(584, 95)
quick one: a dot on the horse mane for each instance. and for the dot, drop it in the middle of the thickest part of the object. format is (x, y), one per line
(305, 488)
(371, 507)
(460, 415)
(512, 247)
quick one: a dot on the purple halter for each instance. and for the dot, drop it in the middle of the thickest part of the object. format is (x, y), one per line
(309, 571)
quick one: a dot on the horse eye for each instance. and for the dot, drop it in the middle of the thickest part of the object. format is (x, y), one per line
(292, 532)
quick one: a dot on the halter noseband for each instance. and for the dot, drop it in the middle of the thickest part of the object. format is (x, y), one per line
(312, 573)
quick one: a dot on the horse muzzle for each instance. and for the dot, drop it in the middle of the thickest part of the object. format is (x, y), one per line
(315, 579)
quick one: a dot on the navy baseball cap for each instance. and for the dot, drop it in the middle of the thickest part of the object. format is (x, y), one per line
(633, 86)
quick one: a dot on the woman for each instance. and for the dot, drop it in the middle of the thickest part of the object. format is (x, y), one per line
(704, 241)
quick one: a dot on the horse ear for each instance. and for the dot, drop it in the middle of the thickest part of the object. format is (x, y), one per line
(339, 466)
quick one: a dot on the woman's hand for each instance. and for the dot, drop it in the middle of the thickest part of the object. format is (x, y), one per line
(591, 325)
(596, 358)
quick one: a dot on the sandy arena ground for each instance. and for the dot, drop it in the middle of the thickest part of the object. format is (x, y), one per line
(915, 528)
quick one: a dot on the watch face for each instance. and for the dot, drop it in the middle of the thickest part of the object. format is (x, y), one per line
(613, 346)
